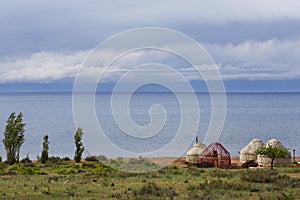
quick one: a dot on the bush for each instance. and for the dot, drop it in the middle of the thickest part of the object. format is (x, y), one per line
(55, 159)
(286, 196)
(66, 171)
(30, 170)
(91, 159)
(26, 160)
(136, 161)
(13, 167)
(102, 168)
(66, 159)
(102, 158)
(270, 176)
(152, 189)
(88, 165)
(222, 186)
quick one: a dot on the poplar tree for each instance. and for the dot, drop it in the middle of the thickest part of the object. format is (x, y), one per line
(45, 154)
(13, 137)
(79, 145)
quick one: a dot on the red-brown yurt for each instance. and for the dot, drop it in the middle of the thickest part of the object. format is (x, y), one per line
(216, 154)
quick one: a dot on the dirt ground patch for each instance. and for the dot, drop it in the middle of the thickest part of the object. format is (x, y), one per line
(180, 162)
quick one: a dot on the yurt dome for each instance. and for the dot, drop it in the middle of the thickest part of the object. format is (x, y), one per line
(248, 152)
(192, 155)
(274, 143)
(265, 161)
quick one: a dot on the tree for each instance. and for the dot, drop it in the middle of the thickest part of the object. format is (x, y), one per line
(273, 152)
(79, 145)
(13, 137)
(45, 154)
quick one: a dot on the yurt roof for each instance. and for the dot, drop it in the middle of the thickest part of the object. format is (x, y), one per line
(215, 147)
(252, 146)
(196, 149)
(274, 143)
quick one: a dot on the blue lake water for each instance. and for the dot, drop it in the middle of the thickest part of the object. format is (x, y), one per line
(249, 116)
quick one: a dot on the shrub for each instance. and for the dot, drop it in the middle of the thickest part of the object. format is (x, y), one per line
(66, 158)
(88, 165)
(152, 189)
(91, 159)
(30, 170)
(102, 158)
(102, 168)
(66, 171)
(222, 186)
(135, 161)
(285, 196)
(13, 167)
(55, 159)
(26, 160)
(269, 176)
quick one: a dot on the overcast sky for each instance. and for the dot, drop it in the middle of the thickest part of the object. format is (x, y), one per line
(47, 41)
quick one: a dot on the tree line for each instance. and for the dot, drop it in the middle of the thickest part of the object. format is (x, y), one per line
(14, 137)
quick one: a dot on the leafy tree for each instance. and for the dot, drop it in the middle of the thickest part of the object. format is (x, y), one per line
(273, 152)
(79, 145)
(13, 137)
(45, 154)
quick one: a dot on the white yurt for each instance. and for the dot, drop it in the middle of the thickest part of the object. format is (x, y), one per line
(193, 155)
(265, 161)
(248, 152)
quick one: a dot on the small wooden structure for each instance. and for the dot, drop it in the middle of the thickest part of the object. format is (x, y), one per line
(216, 154)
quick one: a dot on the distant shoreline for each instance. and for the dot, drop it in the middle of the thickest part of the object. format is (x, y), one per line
(167, 92)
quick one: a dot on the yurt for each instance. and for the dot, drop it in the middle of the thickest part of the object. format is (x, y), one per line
(192, 155)
(248, 152)
(216, 154)
(265, 161)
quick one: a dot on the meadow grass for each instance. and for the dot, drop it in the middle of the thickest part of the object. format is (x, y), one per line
(95, 180)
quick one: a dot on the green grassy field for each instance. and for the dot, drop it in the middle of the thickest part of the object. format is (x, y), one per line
(94, 180)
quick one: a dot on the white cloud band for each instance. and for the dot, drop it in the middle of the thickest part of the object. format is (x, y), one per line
(271, 59)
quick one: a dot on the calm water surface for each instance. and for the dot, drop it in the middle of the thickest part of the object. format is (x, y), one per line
(249, 115)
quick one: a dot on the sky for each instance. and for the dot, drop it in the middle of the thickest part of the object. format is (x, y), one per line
(255, 44)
